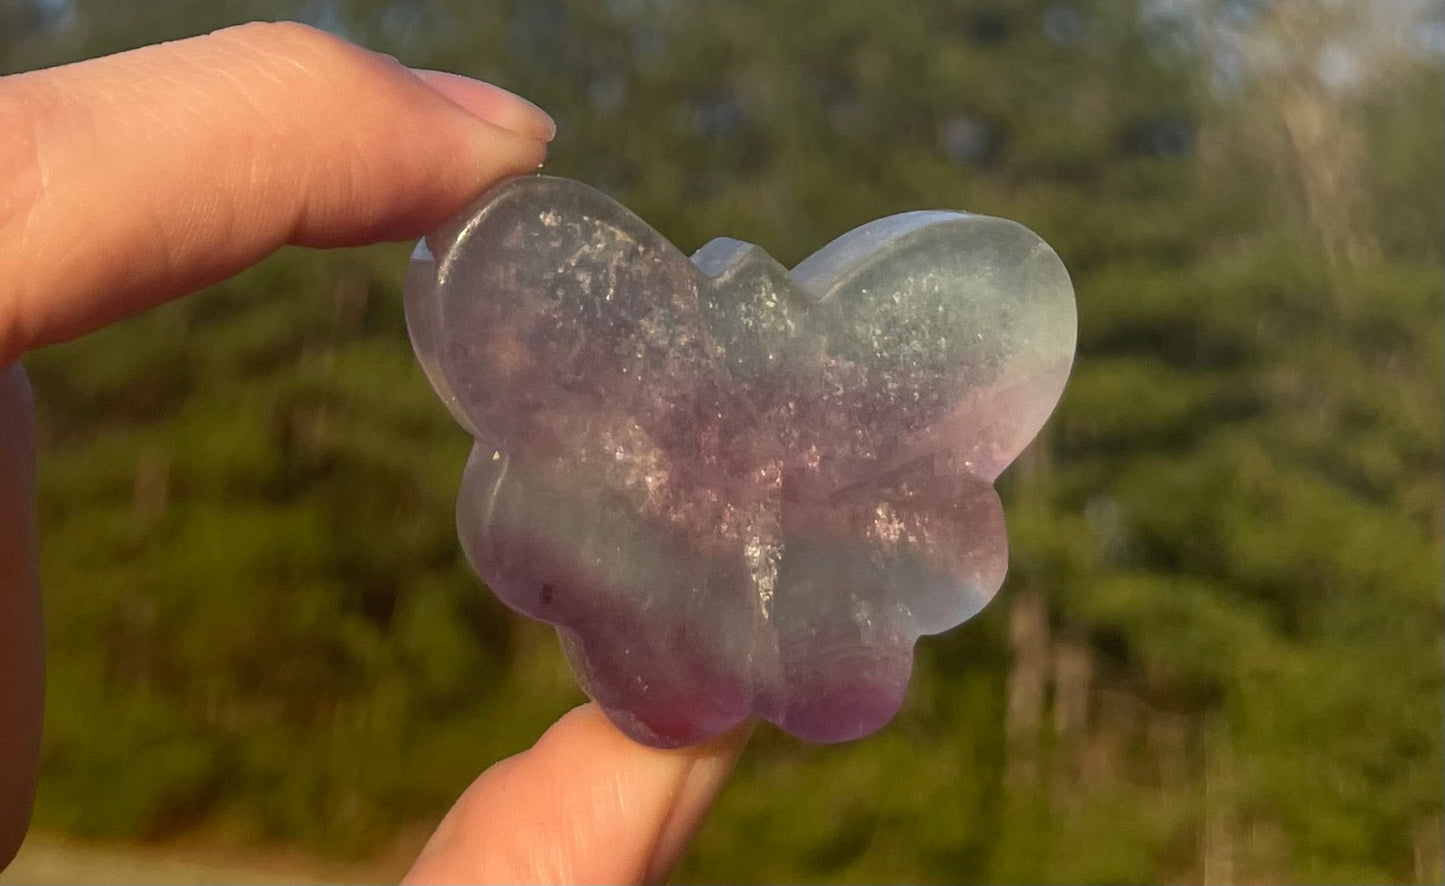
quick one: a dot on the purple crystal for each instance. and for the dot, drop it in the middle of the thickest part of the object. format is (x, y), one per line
(737, 491)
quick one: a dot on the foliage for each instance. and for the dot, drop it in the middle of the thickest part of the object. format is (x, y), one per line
(1219, 651)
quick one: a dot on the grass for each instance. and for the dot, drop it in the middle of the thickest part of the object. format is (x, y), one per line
(51, 858)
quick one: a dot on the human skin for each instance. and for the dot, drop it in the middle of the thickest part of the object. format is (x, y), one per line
(132, 180)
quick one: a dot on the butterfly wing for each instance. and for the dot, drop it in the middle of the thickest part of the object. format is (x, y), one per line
(570, 339)
(550, 305)
(948, 332)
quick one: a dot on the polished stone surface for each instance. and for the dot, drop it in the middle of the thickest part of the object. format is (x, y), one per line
(737, 491)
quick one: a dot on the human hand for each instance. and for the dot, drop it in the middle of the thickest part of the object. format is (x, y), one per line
(134, 179)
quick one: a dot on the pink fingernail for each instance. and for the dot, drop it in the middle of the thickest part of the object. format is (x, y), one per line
(696, 792)
(492, 103)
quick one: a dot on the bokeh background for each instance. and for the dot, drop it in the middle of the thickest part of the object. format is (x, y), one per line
(1218, 654)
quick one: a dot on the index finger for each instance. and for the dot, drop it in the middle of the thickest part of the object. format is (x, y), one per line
(132, 179)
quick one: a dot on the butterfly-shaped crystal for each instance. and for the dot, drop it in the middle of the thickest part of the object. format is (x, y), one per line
(737, 491)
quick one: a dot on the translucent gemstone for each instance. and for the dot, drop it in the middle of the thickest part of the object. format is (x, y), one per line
(737, 491)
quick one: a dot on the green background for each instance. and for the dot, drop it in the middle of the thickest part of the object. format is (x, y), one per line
(1218, 653)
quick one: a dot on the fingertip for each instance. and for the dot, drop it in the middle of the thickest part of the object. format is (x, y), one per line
(712, 763)
(491, 103)
(585, 804)
(139, 177)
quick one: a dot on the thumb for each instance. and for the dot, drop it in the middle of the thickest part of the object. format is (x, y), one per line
(585, 805)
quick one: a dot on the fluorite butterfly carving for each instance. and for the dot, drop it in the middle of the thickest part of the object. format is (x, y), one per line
(737, 491)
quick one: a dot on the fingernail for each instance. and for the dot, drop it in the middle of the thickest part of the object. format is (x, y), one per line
(695, 795)
(492, 103)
